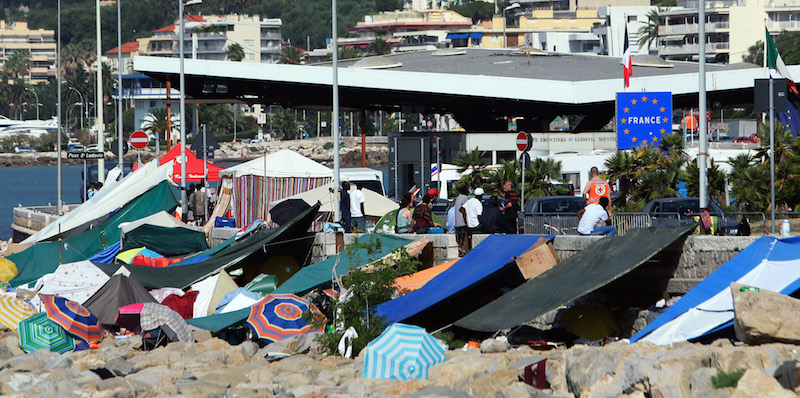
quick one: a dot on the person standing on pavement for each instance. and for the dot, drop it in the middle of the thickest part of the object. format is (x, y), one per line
(492, 219)
(596, 188)
(357, 213)
(344, 207)
(591, 215)
(511, 208)
(472, 211)
(460, 221)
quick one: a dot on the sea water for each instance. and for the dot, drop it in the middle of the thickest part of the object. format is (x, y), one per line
(35, 186)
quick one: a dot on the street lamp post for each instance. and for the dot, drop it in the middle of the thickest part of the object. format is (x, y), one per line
(37, 100)
(184, 208)
(511, 7)
(82, 102)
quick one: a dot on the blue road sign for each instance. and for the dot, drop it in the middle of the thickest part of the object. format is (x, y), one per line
(643, 118)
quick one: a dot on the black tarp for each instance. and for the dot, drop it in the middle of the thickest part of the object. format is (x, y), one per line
(586, 271)
(165, 240)
(236, 254)
(118, 292)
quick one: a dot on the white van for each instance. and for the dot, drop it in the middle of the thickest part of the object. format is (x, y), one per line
(371, 178)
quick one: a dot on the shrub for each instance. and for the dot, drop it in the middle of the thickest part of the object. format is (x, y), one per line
(328, 145)
(724, 380)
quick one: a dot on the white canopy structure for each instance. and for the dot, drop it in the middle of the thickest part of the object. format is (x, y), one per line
(281, 164)
(112, 196)
(160, 219)
(375, 204)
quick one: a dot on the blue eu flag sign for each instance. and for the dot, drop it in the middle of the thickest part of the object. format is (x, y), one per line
(643, 118)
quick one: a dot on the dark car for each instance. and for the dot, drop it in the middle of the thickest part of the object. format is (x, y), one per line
(552, 215)
(680, 211)
(555, 204)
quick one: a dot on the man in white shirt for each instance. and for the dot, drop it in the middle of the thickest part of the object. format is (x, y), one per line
(592, 214)
(472, 211)
(357, 200)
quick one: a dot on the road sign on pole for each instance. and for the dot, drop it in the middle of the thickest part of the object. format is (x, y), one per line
(523, 141)
(139, 139)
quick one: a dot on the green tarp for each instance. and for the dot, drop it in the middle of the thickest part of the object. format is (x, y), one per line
(43, 258)
(309, 278)
(165, 240)
(234, 254)
(321, 272)
(584, 272)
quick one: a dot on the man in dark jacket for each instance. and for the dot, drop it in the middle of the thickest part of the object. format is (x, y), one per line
(344, 207)
(492, 221)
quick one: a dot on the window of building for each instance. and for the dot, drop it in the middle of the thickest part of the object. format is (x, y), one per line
(249, 42)
(250, 56)
(632, 18)
(153, 105)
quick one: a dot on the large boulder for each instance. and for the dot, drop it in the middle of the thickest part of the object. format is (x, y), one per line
(765, 316)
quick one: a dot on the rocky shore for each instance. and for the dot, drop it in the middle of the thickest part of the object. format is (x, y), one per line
(313, 148)
(213, 368)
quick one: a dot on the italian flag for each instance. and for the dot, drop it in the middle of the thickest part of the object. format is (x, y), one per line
(775, 62)
(626, 59)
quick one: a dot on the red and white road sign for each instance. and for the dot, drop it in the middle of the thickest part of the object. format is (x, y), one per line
(139, 139)
(523, 141)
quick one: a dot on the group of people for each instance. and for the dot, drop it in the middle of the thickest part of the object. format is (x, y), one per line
(421, 219)
(351, 206)
(201, 200)
(469, 215)
(92, 189)
(594, 219)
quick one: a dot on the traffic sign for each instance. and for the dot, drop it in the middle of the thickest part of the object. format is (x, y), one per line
(85, 155)
(523, 141)
(139, 139)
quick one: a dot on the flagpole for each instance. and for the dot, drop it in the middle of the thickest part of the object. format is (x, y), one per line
(702, 158)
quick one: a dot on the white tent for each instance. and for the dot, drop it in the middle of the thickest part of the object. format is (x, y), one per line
(111, 197)
(74, 281)
(160, 219)
(375, 204)
(281, 164)
(212, 290)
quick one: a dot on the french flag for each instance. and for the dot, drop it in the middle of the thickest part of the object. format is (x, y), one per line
(626, 59)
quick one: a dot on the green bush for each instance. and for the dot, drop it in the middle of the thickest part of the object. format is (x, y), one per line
(328, 145)
(724, 380)
(369, 288)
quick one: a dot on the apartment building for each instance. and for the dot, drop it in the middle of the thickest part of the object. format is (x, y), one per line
(40, 43)
(407, 30)
(129, 50)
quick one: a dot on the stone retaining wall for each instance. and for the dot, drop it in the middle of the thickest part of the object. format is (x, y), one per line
(677, 269)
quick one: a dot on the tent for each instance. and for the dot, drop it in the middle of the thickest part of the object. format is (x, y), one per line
(236, 300)
(211, 291)
(317, 274)
(168, 241)
(117, 292)
(375, 205)
(111, 197)
(489, 257)
(43, 257)
(593, 267)
(269, 178)
(160, 219)
(768, 263)
(233, 254)
(196, 171)
(409, 283)
(74, 281)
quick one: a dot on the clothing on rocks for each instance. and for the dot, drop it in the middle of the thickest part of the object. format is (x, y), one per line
(183, 305)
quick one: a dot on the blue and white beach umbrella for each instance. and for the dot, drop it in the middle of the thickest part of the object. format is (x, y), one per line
(402, 352)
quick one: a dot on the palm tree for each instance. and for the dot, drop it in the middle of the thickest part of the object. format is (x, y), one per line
(623, 168)
(18, 64)
(379, 46)
(540, 178)
(234, 52)
(716, 181)
(471, 161)
(290, 55)
(156, 122)
(649, 32)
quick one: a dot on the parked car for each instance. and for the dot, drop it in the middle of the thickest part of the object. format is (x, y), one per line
(554, 204)
(680, 211)
(745, 139)
(23, 149)
(93, 148)
(552, 215)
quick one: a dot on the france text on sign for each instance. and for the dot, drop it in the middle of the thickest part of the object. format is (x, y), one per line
(643, 118)
(85, 155)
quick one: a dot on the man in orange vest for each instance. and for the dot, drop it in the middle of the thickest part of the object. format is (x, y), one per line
(596, 188)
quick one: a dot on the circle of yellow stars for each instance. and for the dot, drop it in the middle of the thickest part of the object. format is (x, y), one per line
(625, 120)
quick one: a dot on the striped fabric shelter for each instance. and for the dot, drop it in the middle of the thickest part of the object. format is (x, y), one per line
(73, 317)
(154, 315)
(39, 332)
(279, 316)
(13, 311)
(402, 352)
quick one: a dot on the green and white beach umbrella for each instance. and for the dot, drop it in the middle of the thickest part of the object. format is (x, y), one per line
(39, 332)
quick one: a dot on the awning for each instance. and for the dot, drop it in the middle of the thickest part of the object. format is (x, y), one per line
(476, 35)
(591, 268)
(768, 263)
(490, 256)
(457, 36)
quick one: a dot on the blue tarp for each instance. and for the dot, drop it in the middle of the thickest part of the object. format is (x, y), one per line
(751, 258)
(322, 272)
(488, 257)
(108, 255)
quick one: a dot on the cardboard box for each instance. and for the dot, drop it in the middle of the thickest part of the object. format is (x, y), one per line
(538, 259)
